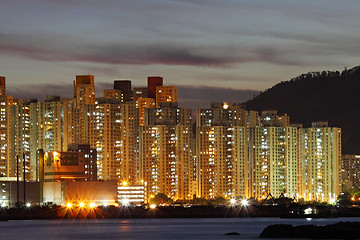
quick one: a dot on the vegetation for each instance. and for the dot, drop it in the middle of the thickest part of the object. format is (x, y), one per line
(318, 96)
(160, 198)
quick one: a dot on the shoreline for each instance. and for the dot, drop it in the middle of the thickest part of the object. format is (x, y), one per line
(122, 212)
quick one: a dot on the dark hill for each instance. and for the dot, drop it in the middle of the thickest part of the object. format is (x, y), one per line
(319, 96)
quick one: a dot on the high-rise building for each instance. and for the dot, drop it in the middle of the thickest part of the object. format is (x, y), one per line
(84, 90)
(222, 152)
(49, 120)
(165, 152)
(166, 94)
(111, 130)
(165, 158)
(84, 93)
(322, 162)
(24, 141)
(70, 122)
(221, 114)
(153, 82)
(274, 155)
(351, 166)
(2, 86)
(142, 104)
(5, 132)
(168, 114)
(275, 166)
(125, 87)
(140, 93)
(114, 94)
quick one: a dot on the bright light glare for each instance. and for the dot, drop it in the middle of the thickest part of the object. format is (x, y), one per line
(3, 204)
(332, 201)
(92, 205)
(308, 211)
(28, 204)
(69, 205)
(125, 202)
(232, 201)
(244, 202)
(116, 204)
(153, 206)
(82, 204)
(124, 183)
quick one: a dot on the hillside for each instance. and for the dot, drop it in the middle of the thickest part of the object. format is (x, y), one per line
(319, 96)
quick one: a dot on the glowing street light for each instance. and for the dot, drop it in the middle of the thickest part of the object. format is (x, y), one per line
(55, 154)
(92, 205)
(244, 202)
(82, 204)
(28, 204)
(69, 205)
(125, 202)
(153, 206)
(232, 201)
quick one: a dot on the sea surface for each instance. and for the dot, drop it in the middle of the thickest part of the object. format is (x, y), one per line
(136, 229)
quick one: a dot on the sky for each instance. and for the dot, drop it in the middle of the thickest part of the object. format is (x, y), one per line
(214, 50)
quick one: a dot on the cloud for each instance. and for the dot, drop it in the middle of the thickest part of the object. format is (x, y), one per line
(60, 48)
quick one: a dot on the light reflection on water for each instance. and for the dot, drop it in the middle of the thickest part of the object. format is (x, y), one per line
(136, 229)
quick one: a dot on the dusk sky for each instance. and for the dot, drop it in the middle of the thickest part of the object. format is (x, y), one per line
(230, 44)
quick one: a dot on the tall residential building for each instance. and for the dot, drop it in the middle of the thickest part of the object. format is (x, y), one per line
(275, 166)
(70, 122)
(153, 82)
(24, 141)
(221, 114)
(142, 104)
(351, 166)
(271, 118)
(168, 114)
(84, 93)
(111, 130)
(165, 152)
(2, 86)
(125, 87)
(50, 127)
(5, 132)
(166, 94)
(321, 161)
(139, 93)
(84, 90)
(166, 160)
(114, 94)
(222, 152)
(274, 155)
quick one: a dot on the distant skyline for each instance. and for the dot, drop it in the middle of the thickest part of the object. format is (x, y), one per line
(233, 45)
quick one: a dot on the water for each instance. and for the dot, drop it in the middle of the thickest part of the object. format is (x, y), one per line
(136, 229)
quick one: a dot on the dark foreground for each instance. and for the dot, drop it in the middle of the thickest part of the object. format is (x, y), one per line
(111, 212)
(340, 230)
